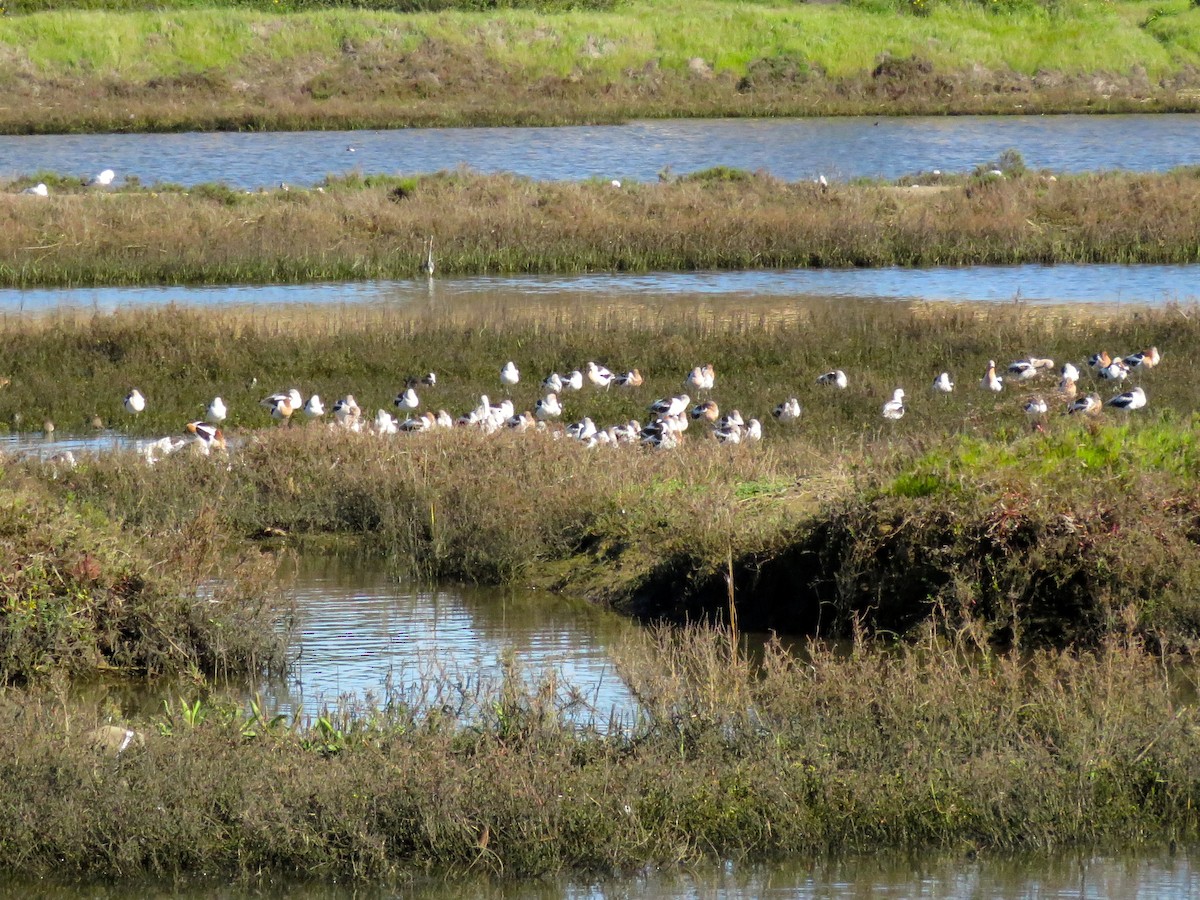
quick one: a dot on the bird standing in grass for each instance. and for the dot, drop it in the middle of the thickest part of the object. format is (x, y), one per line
(134, 402)
(510, 375)
(217, 411)
(894, 408)
(836, 378)
(943, 384)
(1134, 399)
(991, 381)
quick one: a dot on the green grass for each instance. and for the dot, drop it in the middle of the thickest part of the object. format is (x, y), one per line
(232, 66)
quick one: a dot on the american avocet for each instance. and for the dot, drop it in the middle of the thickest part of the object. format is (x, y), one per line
(523, 422)
(283, 405)
(102, 179)
(548, 407)
(836, 378)
(1100, 360)
(732, 418)
(1035, 406)
(670, 406)
(573, 382)
(509, 375)
(1067, 389)
(707, 410)
(38, 190)
(943, 384)
(346, 411)
(47, 427)
(1069, 371)
(991, 381)
(217, 411)
(582, 430)
(1146, 359)
(599, 376)
(407, 399)
(1088, 405)
(894, 408)
(1117, 370)
(429, 379)
(702, 378)
(421, 423)
(788, 411)
(314, 408)
(134, 402)
(1134, 399)
(208, 435)
(384, 423)
(728, 435)
(553, 383)
(1024, 369)
(632, 378)
(753, 431)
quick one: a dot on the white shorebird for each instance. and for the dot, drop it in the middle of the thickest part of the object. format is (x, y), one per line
(443, 419)
(407, 399)
(424, 422)
(1035, 406)
(384, 423)
(429, 379)
(732, 419)
(1088, 405)
(753, 431)
(509, 375)
(707, 410)
(134, 402)
(1024, 369)
(573, 382)
(943, 383)
(894, 408)
(207, 436)
(728, 435)
(217, 411)
(991, 381)
(553, 383)
(283, 405)
(1069, 372)
(1117, 370)
(583, 430)
(788, 411)
(314, 408)
(548, 407)
(38, 190)
(702, 378)
(102, 179)
(836, 378)
(346, 411)
(599, 376)
(632, 378)
(669, 407)
(1134, 399)
(1145, 359)
(1100, 360)
(427, 263)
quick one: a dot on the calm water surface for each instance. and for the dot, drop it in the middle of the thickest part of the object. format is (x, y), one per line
(1147, 877)
(792, 149)
(362, 635)
(1145, 285)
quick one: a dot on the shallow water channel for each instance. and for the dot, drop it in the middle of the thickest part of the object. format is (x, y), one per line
(793, 149)
(749, 290)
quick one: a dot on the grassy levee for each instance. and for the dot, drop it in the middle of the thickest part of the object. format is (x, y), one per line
(82, 597)
(1057, 536)
(718, 219)
(941, 745)
(222, 68)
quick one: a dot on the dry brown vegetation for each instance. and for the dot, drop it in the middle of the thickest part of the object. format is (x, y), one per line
(716, 220)
(942, 745)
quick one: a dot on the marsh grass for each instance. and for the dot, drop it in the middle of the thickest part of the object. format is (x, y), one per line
(941, 744)
(376, 226)
(959, 505)
(84, 597)
(224, 67)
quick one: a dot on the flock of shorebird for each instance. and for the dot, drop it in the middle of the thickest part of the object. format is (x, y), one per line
(669, 417)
